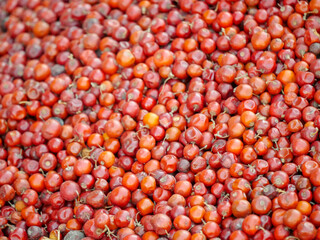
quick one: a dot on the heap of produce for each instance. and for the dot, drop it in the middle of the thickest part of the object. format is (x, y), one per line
(159, 119)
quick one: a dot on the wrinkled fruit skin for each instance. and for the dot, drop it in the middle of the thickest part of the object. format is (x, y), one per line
(77, 235)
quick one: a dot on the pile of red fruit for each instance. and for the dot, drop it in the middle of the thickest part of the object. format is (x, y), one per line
(159, 119)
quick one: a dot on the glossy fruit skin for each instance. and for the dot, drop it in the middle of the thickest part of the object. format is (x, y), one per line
(120, 196)
(51, 128)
